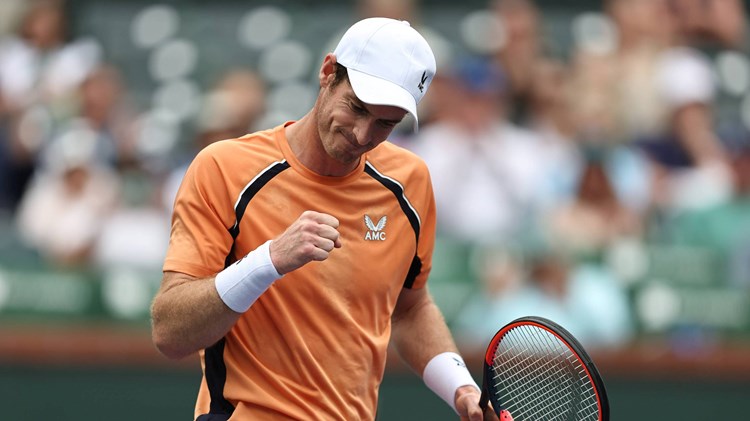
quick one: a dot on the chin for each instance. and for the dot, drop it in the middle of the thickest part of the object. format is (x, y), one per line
(345, 158)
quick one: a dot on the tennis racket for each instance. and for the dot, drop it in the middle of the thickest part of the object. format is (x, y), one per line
(534, 370)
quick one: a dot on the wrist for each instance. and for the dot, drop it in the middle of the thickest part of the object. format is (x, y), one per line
(447, 376)
(242, 283)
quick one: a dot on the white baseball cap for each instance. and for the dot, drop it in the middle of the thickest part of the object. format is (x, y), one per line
(388, 62)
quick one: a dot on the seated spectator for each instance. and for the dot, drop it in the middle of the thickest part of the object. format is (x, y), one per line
(521, 53)
(594, 219)
(104, 109)
(243, 93)
(485, 170)
(585, 299)
(725, 228)
(655, 92)
(67, 203)
(501, 274)
(41, 67)
(549, 116)
(105, 106)
(135, 234)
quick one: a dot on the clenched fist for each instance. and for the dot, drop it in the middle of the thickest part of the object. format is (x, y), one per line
(311, 237)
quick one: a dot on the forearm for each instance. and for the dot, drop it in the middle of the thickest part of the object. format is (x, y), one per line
(188, 315)
(424, 342)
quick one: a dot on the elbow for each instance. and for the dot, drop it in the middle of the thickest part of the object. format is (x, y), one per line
(173, 353)
(169, 347)
(167, 340)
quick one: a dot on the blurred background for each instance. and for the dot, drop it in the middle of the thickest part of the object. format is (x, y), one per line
(591, 164)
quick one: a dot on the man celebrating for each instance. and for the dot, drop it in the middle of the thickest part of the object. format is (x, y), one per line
(297, 253)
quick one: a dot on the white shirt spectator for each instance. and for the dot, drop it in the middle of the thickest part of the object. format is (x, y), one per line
(485, 183)
(28, 75)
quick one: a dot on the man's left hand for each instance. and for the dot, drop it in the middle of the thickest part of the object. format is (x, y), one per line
(467, 405)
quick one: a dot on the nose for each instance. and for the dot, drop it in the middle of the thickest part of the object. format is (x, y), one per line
(363, 130)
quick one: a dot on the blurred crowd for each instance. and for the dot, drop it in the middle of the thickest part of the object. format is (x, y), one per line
(78, 172)
(547, 165)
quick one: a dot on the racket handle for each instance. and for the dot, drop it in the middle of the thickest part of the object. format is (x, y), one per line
(483, 401)
(505, 415)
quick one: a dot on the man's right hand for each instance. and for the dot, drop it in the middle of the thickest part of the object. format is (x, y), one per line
(310, 238)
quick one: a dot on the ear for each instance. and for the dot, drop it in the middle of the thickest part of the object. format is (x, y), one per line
(327, 70)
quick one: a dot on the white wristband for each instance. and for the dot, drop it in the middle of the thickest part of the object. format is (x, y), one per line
(445, 373)
(240, 284)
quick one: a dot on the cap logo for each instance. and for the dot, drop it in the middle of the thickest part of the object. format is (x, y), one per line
(421, 84)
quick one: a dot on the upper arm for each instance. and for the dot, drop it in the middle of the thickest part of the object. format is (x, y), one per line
(410, 300)
(172, 279)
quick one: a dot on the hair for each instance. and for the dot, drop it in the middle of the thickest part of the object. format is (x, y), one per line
(340, 76)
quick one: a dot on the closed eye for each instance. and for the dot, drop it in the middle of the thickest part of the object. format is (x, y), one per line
(361, 110)
(388, 124)
(358, 109)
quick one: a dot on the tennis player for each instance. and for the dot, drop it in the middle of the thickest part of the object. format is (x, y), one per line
(297, 253)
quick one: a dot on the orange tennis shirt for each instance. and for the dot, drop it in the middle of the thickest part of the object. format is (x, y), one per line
(313, 346)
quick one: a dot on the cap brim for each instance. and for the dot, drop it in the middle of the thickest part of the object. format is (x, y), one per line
(376, 91)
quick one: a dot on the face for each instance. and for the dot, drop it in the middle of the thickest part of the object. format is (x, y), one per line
(347, 126)
(45, 25)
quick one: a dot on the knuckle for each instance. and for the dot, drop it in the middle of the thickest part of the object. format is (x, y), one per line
(307, 228)
(307, 249)
(320, 255)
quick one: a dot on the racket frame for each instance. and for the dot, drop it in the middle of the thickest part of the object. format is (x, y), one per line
(566, 338)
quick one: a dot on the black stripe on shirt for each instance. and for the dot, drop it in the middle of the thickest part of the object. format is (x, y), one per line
(216, 378)
(251, 189)
(247, 194)
(409, 211)
(216, 369)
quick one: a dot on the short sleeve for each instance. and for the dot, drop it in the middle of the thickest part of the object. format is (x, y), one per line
(200, 240)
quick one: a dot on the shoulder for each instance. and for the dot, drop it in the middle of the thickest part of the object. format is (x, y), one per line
(254, 147)
(230, 164)
(389, 163)
(394, 159)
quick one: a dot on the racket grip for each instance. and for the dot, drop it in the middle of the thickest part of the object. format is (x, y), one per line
(505, 415)
(484, 399)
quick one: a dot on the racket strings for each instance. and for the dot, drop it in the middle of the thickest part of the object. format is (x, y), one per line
(557, 401)
(555, 391)
(531, 369)
(537, 377)
(533, 365)
(558, 394)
